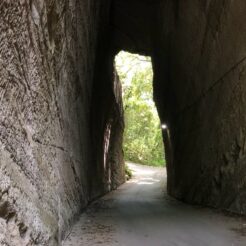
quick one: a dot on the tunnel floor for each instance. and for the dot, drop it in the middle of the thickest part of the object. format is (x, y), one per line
(140, 213)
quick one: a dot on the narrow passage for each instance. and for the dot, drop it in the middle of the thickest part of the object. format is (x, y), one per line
(140, 213)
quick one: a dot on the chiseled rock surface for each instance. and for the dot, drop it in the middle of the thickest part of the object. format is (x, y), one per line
(204, 103)
(47, 62)
(61, 118)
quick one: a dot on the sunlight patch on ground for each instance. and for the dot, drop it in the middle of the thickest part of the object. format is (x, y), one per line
(143, 175)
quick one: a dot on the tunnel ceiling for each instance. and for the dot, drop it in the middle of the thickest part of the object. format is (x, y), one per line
(133, 24)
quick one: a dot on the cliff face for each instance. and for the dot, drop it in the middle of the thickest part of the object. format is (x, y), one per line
(48, 58)
(204, 43)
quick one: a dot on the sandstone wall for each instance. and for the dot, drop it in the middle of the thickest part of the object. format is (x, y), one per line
(202, 68)
(47, 145)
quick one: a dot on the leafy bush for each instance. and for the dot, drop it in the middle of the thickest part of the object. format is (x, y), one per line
(142, 138)
(128, 172)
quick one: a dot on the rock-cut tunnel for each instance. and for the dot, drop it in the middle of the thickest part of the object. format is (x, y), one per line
(61, 117)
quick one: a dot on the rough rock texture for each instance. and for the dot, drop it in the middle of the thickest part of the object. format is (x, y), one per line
(107, 122)
(198, 50)
(61, 119)
(205, 46)
(48, 54)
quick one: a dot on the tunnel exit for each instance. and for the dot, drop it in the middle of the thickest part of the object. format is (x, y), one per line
(143, 131)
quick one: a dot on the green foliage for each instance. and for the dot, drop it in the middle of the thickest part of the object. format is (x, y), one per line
(128, 172)
(142, 137)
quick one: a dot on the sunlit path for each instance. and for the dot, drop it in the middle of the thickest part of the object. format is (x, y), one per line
(139, 213)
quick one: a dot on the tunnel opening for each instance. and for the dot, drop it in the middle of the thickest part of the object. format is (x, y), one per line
(142, 139)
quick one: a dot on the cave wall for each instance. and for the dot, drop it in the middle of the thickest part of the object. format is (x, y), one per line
(203, 90)
(49, 53)
(107, 121)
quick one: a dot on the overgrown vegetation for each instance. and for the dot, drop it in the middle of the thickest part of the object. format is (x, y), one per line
(142, 137)
(128, 172)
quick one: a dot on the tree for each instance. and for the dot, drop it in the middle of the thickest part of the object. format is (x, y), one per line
(142, 138)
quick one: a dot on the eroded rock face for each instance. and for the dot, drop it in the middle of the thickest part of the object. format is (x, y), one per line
(198, 52)
(205, 47)
(47, 145)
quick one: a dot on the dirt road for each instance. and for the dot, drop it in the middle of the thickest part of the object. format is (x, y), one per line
(140, 213)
